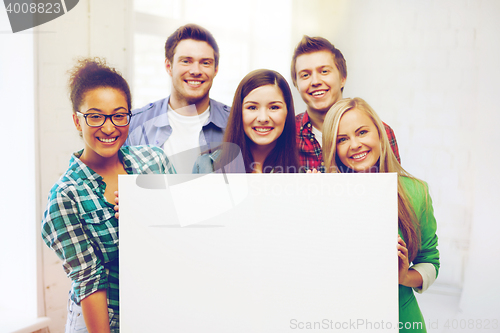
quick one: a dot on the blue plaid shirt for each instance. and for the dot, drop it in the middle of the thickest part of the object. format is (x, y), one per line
(79, 224)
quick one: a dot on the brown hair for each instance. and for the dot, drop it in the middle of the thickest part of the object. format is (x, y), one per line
(407, 218)
(190, 31)
(284, 157)
(315, 44)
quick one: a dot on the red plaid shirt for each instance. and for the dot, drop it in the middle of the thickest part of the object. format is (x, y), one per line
(310, 150)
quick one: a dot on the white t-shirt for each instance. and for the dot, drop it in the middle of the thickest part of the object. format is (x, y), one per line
(318, 135)
(183, 145)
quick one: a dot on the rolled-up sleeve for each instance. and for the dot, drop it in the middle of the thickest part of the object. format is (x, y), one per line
(63, 231)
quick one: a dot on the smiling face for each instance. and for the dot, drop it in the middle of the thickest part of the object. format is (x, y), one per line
(102, 142)
(264, 115)
(318, 80)
(358, 142)
(192, 70)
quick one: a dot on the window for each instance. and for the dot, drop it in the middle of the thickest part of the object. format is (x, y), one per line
(250, 35)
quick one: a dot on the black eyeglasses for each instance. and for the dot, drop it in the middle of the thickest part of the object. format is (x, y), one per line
(97, 119)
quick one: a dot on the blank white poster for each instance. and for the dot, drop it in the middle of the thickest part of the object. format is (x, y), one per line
(258, 253)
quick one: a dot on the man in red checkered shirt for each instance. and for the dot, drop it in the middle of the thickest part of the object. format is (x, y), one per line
(319, 72)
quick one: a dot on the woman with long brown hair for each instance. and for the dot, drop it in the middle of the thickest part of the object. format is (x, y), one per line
(260, 133)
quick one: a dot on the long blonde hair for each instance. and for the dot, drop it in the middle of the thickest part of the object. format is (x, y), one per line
(407, 219)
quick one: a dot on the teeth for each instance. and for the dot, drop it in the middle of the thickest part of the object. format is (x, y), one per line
(196, 83)
(318, 93)
(260, 129)
(107, 140)
(359, 155)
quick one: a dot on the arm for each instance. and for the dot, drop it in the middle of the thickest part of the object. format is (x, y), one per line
(203, 164)
(196, 166)
(95, 312)
(426, 262)
(407, 277)
(62, 231)
(145, 160)
(428, 272)
(413, 279)
(166, 165)
(428, 253)
(117, 207)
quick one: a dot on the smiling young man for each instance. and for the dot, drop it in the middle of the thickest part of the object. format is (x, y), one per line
(319, 72)
(184, 123)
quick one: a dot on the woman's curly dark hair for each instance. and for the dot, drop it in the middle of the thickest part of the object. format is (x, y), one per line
(92, 73)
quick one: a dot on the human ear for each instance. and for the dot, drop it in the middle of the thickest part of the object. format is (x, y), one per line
(342, 82)
(76, 120)
(168, 67)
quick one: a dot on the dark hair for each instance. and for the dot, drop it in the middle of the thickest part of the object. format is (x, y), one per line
(316, 44)
(284, 156)
(92, 73)
(190, 31)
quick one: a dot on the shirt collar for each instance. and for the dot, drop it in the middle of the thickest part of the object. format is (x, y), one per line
(84, 172)
(305, 124)
(215, 116)
(162, 119)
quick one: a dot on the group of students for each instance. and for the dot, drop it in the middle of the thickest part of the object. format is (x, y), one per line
(333, 135)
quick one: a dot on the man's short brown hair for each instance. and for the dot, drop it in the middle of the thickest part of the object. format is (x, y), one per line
(190, 31)
(316, 44)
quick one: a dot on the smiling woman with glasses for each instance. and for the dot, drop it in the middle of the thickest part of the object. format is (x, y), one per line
(79, 223)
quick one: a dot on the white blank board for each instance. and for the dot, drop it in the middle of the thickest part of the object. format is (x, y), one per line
(258, 253)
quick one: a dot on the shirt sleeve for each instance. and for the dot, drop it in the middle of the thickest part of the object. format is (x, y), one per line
(428, 252)
(196, 166)
(166, 166)
(62, 230)
(428, 273)
(203, 164)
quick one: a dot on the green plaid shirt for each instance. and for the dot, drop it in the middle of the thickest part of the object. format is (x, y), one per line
(80, 225)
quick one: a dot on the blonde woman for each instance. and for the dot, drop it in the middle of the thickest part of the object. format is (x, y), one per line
(354, 140)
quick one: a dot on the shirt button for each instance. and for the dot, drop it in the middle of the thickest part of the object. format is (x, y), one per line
(309, 125)
(322, 163)
(312, 139)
